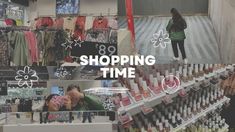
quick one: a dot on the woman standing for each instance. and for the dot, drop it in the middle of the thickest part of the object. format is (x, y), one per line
(175, 28)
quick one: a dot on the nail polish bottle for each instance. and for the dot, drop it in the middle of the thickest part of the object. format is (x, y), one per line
(184, 78)
(196, 73)
(151, 81)
(180, 71)
(181, 110)
(194, 108)
(189, 113)
(155, 87)
(185, 114)
(173, 122)
(160, 129)
(162, 118)
(207, 102)
(169, 116)
(125, 99)
(203, 104)
(210, 68)
(137, 95)
(145, 92)
(201, 72)
(178, 119)
(190, 74)
(206, 69)
(167, 126)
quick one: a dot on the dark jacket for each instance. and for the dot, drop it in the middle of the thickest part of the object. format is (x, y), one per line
(176, 31)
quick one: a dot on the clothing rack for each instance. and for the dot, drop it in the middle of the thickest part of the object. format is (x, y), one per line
(18, 28)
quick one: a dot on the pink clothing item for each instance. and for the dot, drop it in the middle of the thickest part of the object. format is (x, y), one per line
(32, 44)
(59, 23)
(113, 23)
(100, 23)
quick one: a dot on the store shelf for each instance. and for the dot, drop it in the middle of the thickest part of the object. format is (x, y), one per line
(154, 100)
(203, 113)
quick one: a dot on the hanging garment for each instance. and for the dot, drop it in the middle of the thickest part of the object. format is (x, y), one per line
(59, 23)
(4, 52)
(32, 44)
(40, 44)
(100, 23)
(89, 22)
(21, 52)
(49, 53)
(19, 22)
(113, 24)
(69, 24)
(79, 31)
(44, 22)
(113, 36)
(101, 36)
(60, 38)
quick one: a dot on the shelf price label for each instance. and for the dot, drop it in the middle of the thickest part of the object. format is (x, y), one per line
(94, 48)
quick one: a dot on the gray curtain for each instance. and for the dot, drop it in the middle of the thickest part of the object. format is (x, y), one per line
(162, 7)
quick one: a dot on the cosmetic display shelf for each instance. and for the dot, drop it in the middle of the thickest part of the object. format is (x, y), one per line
(134, 108)
(201, 114)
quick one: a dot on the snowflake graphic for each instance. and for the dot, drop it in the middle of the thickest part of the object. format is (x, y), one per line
(78, 42)
(160, 39)
(26, 77)
(67, 45)
(61, 72)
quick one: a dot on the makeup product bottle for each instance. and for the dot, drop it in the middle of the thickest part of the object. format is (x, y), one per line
(194, 108)
(181, 70)
(155, 87)
(173, 122)
(125, 99)
(178, 119)
(201, 72)
(190, 74)
(203, 103)
(185, 77)
(210, 68)
(206, 69)
(137, 94)
(145, 92)
(185, 114)
(160, 129)
(189, 113)
(167, 126)
(196, 73)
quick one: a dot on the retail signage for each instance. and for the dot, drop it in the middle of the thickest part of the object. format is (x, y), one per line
(3, 87)
(67, 7)
(94, 48)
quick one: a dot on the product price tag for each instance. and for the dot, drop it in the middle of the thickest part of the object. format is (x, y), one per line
(94, 48)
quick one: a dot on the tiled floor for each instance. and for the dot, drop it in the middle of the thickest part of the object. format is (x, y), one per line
(201, 45)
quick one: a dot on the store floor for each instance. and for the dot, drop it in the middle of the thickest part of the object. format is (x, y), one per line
(201, 44)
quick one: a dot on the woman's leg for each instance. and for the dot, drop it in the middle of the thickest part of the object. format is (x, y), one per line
(175, 48)
(182, 49)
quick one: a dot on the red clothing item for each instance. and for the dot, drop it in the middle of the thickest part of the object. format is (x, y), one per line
(100, 22)
(45, 22)
(31, 40)
(10, 22)
(80, 27)
(59, 23)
